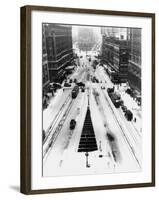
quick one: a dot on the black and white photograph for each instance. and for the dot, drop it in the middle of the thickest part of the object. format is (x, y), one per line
(88, 99)
(91, 99)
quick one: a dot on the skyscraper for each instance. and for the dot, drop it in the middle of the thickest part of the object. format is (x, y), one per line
(115, 52)
(134, 69)
(59, 49)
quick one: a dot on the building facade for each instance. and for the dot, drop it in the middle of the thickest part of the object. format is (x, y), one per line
(59, 49)
(134, 68)
(115, 53)
(45, 69)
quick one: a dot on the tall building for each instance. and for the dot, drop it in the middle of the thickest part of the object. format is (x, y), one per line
(115, 32)
(45, 69)
(115, 52)
(134, 69)
(59, 49)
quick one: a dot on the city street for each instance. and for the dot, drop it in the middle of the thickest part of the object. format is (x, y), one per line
(119, 142)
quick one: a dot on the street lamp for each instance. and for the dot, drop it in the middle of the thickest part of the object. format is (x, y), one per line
(87, 164)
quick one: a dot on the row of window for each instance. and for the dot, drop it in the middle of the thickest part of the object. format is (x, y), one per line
(135, 58)
(45, 74)
(61, 62)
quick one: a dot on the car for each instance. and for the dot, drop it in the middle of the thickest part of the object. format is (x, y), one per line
(80, 84)
(102, 87)
(72, 124)
(67, 84)
(97, 81)
(44, 135)
(129, 115)
(116, 104)
(130, 92)
(54, 86)
(82, 90)
(124, 108)
(110, 90)
(75, 91)
(138, 99)
(121, 102)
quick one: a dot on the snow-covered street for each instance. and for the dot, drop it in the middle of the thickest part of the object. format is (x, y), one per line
(119, 141)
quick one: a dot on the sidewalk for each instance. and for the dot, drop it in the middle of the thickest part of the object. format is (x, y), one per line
(55, 103)
(129, 102)
(58, 100)
(132, 105)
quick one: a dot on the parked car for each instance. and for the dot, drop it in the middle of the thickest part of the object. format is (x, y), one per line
(130, 92)
(67, 84)
(110, 90)
(129, 115)
(124, 108)
(54, 86)
(121, 102)
(138, 99)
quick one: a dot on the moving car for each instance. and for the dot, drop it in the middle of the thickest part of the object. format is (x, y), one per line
(75, 92)
(72, 124)
(81, 84)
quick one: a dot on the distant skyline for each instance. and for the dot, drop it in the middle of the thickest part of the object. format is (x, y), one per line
(96, 31)
(116, 32)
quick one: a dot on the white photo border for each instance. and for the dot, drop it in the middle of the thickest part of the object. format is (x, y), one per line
(145, 23)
